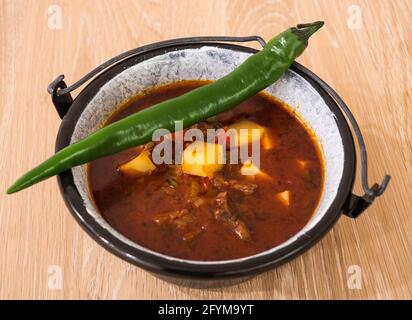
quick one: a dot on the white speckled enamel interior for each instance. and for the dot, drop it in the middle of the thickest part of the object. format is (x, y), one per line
(212, 63)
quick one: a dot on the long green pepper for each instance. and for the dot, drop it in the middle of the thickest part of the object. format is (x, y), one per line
(253, 75)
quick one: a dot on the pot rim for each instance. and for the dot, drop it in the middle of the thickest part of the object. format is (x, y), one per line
(181, 268)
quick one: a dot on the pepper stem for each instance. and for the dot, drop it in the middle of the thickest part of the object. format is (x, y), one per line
(304, 31)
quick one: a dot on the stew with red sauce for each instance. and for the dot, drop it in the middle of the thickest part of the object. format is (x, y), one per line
(222, 216)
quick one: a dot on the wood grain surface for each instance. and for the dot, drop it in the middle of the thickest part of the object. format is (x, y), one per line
(364, 51)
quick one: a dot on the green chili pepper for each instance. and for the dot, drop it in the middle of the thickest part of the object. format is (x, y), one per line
(253, 75)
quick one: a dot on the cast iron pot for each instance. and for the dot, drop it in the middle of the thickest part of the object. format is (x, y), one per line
(210, 58)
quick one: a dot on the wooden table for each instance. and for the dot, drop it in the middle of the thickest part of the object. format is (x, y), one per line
(364, 52)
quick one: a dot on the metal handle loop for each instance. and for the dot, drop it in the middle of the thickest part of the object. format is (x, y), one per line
(130, 53)
(370, 192)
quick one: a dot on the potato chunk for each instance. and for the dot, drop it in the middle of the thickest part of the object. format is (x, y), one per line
(141, 165)
(243, 130)
(284, 197)
(203, 159)
(267, 140)
(249, 169)
(302, 164)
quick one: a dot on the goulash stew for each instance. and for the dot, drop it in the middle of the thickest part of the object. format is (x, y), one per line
(205, 210)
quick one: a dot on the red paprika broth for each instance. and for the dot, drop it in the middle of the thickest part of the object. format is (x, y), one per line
(229, 215)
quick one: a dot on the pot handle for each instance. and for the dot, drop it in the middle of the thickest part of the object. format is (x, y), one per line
(60, 92)
(355, 205)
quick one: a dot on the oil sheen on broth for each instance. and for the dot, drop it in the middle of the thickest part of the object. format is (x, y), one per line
(229, 215)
